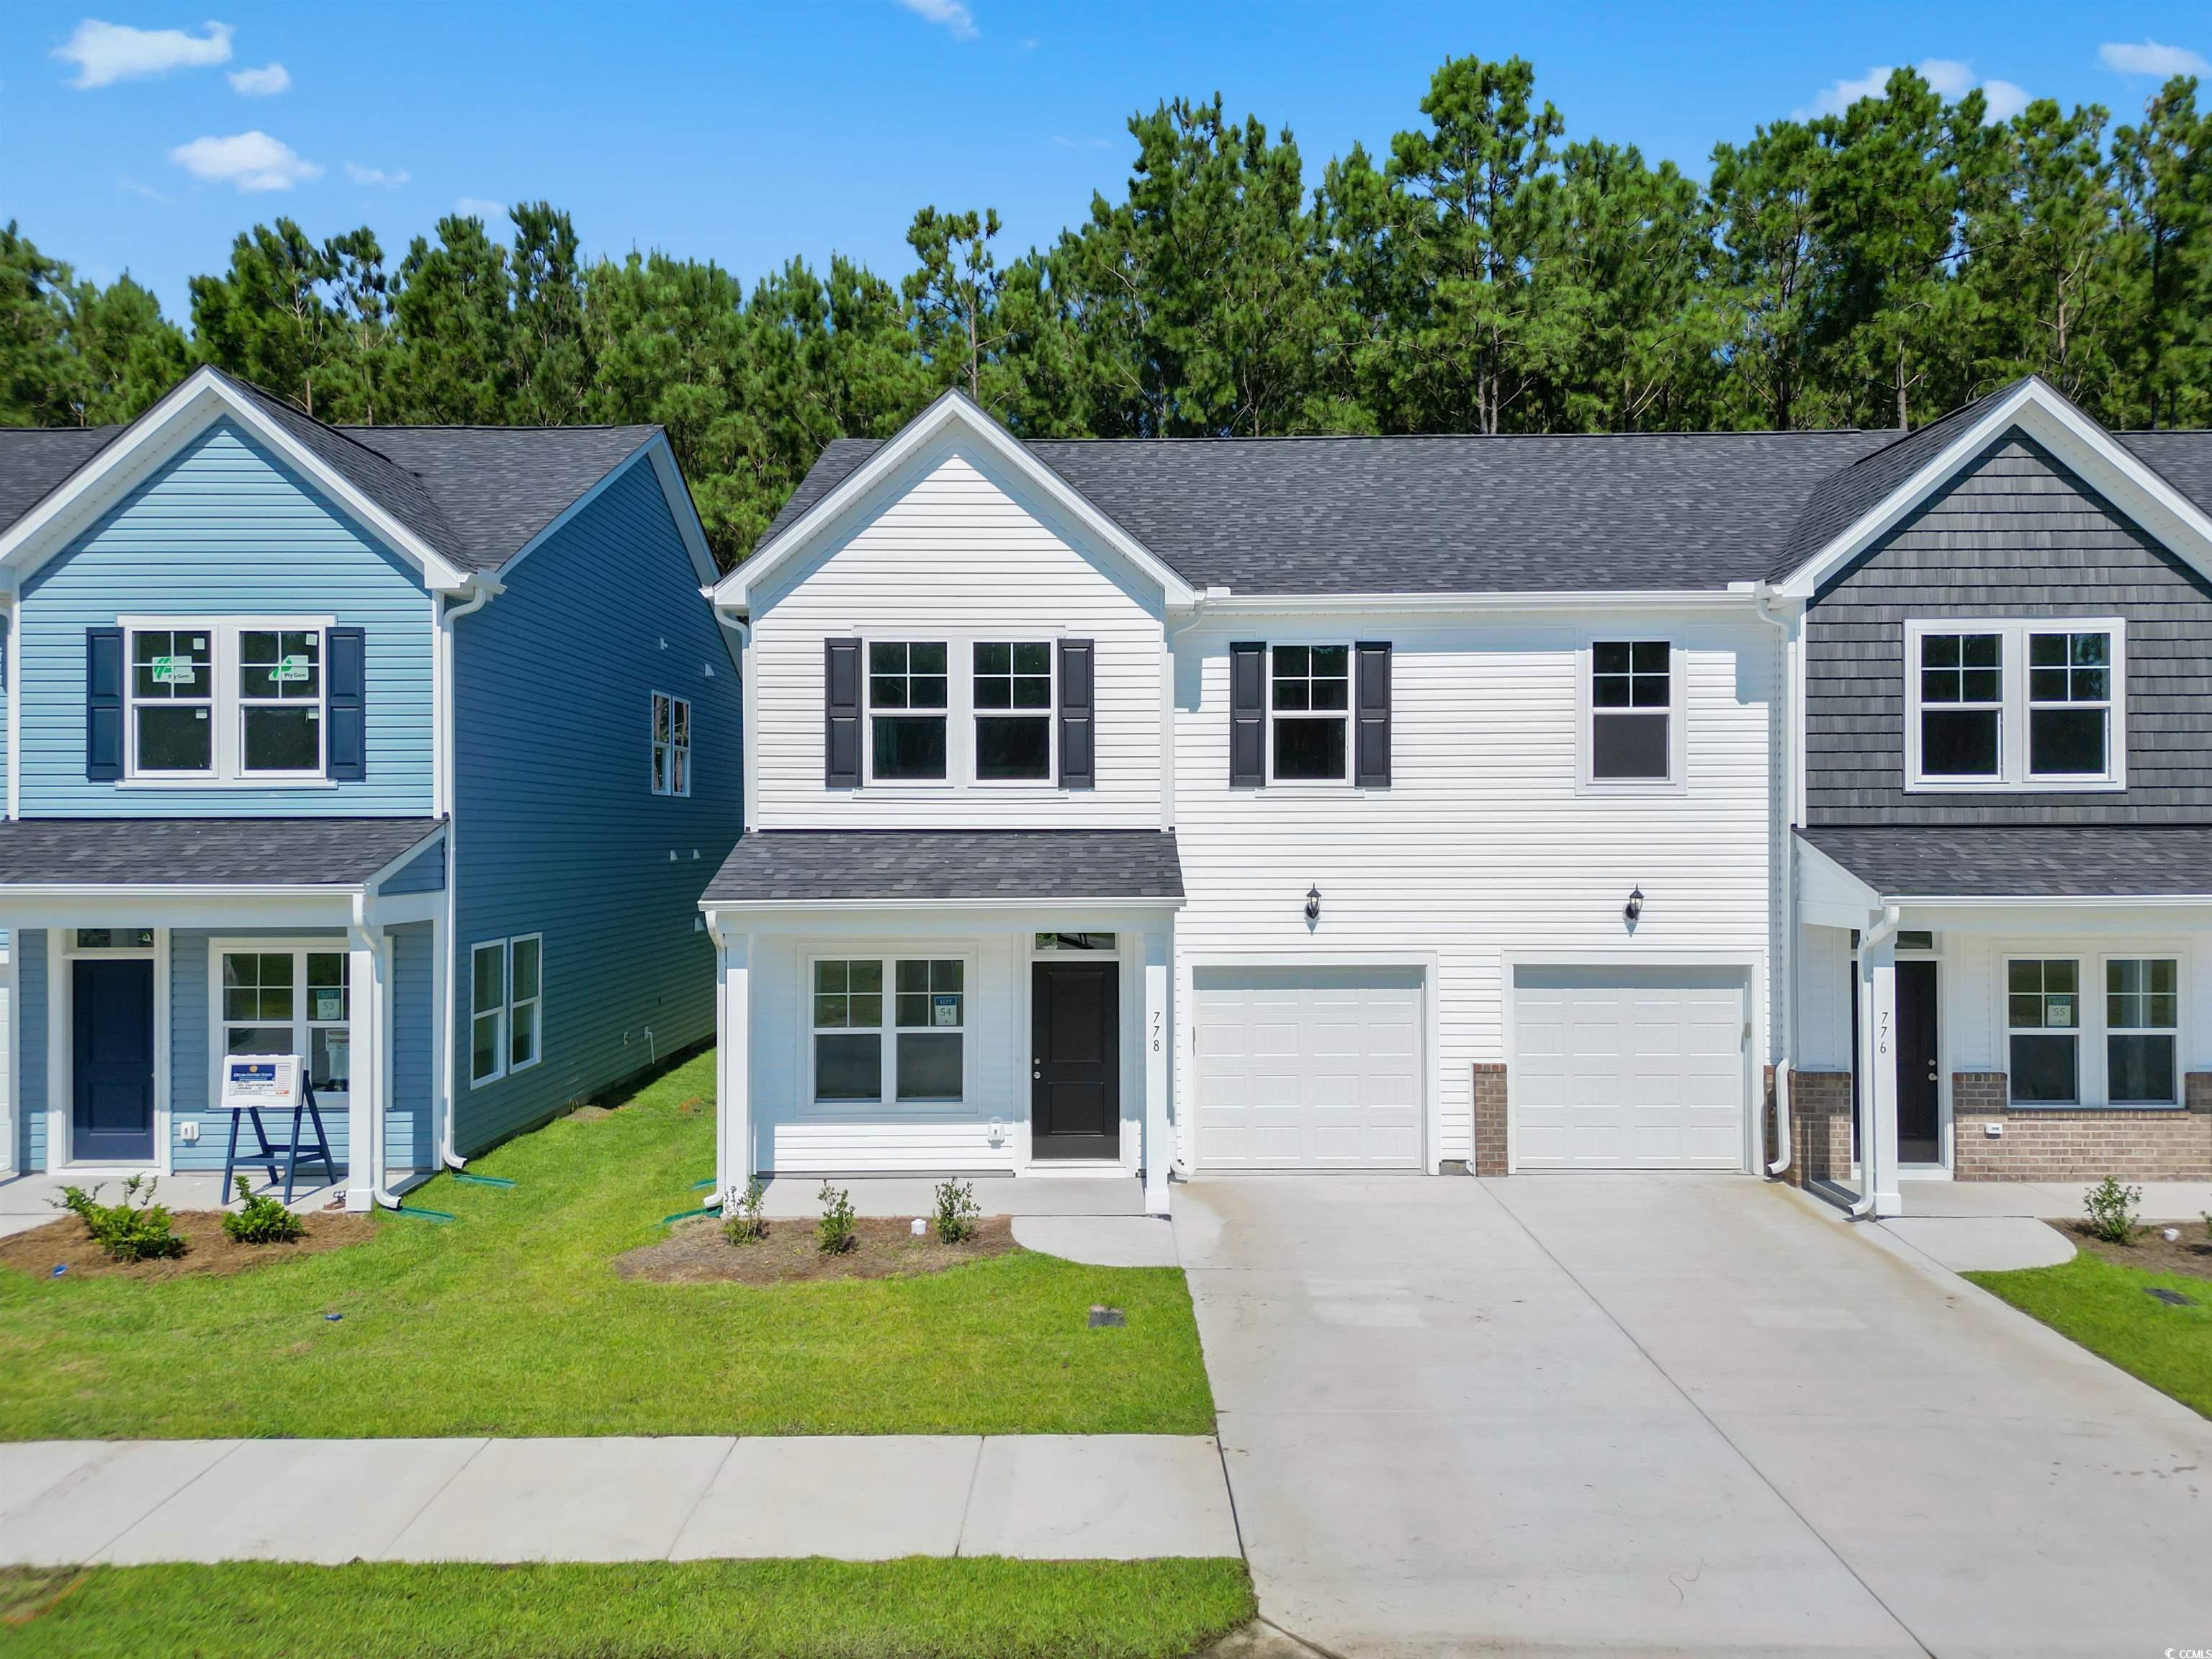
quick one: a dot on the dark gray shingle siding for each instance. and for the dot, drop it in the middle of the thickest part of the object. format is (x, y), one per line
(951, 864)
(2018, 535)
(2031, 861)
(223, 852)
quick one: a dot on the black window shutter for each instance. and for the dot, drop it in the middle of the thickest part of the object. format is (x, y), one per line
(841, 744)
(1079, 716)
(1371, 754)
(1248, 714)
(103, 704)
(345, 659)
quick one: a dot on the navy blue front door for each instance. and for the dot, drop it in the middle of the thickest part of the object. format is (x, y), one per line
(113, 1116)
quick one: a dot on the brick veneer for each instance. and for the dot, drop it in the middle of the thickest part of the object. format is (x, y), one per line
(1820, 1126)
(1489, 1119)
(2046, 1144)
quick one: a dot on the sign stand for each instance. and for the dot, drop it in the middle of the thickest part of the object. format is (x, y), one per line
(252, 1081)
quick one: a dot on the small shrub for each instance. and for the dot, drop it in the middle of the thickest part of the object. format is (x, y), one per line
(132, 1231)
(263, 1221)
(834, 1233)
(746, 1222)
(958, 1212)
(2111, 1210)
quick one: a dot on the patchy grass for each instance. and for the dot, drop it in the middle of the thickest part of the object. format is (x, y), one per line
(981, 1607)
(2104, 1307)
(513, 1321)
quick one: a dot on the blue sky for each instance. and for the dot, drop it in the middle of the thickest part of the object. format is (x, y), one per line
(145, 138)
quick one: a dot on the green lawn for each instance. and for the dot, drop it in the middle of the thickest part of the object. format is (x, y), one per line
(511, 1322)
(918, 1608)
(2101, 1305)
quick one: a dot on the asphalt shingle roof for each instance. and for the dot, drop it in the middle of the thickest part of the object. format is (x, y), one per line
(950, 864)
(2024, 861)
(477, 494)
(296, 852)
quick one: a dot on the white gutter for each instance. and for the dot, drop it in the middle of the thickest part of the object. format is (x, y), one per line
(481, 590)
(1863, 1205)
(1221, 602)
(748, 752)
(1787, 851)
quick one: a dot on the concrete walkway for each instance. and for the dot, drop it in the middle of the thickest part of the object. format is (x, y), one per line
(856, 1497)
(1670, 1414)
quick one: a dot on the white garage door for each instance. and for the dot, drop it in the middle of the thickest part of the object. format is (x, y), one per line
(1309, 1069)
(1628, 1068)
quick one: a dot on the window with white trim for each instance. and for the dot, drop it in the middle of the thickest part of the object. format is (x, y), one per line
(2016, 704)
(1631, 699)
(225, 698)
(525, 974)
(671, 745)
(926, 1061)
(2143, 1030)
(507, 999)
(1014, 701)
(907, 695)
(1310, 714)
(2043, 1002)
(289, 1000)
(2095, 1032)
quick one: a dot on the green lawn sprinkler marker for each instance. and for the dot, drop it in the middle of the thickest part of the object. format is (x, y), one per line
(479, 1181)
(686, 1215)
(421, 1214)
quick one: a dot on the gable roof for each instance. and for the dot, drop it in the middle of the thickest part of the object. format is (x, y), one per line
(479, 497)
(1568, 513)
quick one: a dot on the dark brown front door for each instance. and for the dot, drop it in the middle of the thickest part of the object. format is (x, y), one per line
(1075, 1060)
(1919, 1088)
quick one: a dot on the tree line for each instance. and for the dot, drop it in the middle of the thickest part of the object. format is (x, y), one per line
(1872, 268)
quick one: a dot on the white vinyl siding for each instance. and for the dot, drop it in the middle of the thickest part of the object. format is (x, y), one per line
(957, 558)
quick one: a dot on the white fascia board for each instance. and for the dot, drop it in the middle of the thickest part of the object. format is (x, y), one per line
(401, 859)
(1827, 890)
(2105, 463)
(1221, 602)
(951, 411)
(193, 405)
(731, 908)
(175, 905)
(2052, 901)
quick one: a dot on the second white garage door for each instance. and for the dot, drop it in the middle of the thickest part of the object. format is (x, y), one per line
(1309, 1069)
(1628, 1068)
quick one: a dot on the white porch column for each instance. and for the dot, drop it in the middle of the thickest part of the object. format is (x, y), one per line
(1159, 1151)
(733, 1100)
(367, 974)
(1878, 1075)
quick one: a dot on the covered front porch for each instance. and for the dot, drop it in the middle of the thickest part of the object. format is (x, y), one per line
(935, 1002)
(2025, 1004)
(144, 951)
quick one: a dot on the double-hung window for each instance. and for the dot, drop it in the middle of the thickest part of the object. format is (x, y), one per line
(507, 1003)
(2068, 1036)
(1013, 711)
(671, 746)
(2043, 1001)
(926, 1061)
(226, 700)
(1631, 702)
(2015, 703)
(290, 1000)
(1309, 705)
(2143, 1021)
(907, 711)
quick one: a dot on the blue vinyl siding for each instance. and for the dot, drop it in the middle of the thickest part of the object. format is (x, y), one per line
(30, 1029)
(409, 1125)
(557, 830)
(225, 528)
(423, 873)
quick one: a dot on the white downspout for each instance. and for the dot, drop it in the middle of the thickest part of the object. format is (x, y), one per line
(1863, 1205)
(744, 630)
(481, 590)
(1764, 596)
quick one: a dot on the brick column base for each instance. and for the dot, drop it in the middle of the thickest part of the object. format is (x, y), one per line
(2042, 1143)
(1489, 1119)
(1820, 1126)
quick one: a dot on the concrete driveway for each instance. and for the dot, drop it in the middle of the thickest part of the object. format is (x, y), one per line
(1671, 1414)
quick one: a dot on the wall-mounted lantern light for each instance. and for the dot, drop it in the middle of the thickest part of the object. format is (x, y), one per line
(1313, 904)
(1634, 907)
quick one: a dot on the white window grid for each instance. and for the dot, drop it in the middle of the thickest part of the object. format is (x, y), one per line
(2014, 775)
(889, 1021)
(671, 745)
(1296, 682)
(220, 663)
(2093, 1027)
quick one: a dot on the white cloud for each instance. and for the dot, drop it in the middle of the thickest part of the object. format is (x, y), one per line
(361, 175)
(952, 14)
(105, 53)
(476, 207)
(264, 83)
(2152, 57)
(1948, 77)
(252, 161)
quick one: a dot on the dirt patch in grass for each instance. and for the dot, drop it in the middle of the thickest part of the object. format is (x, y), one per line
(697, 1254)
(208, 1249)
(2151, 1252)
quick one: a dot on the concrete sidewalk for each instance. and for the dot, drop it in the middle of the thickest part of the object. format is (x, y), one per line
(854, 1497)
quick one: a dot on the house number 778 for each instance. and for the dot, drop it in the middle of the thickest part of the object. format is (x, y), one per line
(1156, 1033)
